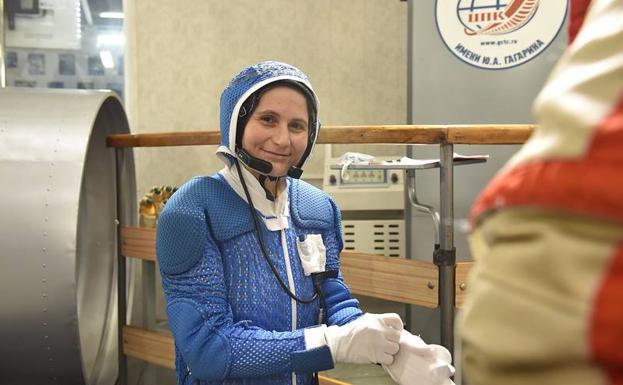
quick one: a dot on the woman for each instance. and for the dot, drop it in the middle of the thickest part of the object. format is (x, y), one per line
(249, 257)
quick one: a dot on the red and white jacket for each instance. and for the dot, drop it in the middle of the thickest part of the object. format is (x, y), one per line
(574, 160)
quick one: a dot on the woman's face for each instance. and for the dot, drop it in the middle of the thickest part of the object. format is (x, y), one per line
(277, 131)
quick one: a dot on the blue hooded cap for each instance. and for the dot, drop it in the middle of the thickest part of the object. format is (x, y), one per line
(248, 82)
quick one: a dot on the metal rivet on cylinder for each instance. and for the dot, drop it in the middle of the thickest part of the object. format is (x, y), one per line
(430, 285)
(463, 286)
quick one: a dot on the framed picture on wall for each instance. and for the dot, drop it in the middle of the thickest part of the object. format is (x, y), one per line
(96, 68)
(11, 59)
(66, 64)
(36, 64)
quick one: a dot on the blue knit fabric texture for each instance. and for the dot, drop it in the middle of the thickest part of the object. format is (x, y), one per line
(231, 321)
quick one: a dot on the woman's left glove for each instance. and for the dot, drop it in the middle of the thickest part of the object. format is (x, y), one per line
(419, 363)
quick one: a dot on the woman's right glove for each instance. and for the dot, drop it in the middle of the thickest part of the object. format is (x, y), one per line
(370, 339)
(420, 363)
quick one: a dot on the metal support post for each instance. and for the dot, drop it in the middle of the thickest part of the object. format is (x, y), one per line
(121, 271)
(445, 256)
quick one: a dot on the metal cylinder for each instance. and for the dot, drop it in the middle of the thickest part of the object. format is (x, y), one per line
(58, 322)
(2, 45)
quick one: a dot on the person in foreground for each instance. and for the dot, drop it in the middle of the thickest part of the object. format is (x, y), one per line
(545, 296)
(249, 257)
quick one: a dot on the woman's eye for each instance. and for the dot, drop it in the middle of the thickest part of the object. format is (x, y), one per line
(269, 119)
(298, 126)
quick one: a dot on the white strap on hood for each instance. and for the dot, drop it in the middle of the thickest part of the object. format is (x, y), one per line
(274, 214)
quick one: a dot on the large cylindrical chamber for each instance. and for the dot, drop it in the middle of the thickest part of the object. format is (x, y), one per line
(58, 303)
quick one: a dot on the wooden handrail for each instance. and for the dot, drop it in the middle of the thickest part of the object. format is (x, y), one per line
(388, 134)
(488, 133)
(156, 347)
(390, 278)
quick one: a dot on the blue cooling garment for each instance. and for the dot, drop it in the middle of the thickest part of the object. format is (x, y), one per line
(232, 322)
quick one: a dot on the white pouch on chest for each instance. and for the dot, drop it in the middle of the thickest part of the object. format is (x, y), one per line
(313, 253)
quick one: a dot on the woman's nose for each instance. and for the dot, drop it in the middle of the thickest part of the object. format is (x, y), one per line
(281, 135)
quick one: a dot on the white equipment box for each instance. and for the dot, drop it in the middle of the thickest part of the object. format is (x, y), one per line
(372, 205)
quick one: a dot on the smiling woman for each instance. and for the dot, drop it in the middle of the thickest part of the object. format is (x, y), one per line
(249, 257)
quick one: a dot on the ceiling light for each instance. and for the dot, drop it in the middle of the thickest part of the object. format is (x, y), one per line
(107, 59)
(111, 15)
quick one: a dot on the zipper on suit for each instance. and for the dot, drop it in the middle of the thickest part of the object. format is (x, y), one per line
(286, 256)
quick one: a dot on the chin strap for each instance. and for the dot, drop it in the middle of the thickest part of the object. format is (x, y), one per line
(262, 179)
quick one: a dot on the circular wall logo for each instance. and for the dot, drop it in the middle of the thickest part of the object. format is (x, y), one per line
(498, 34)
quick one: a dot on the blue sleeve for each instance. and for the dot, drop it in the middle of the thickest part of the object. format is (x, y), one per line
(342, 307)
(211, 344)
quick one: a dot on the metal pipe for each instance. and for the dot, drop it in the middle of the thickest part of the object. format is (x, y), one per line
(445, 257)
(121, 270)
(2, 44)
(421, 207)
(446, 196)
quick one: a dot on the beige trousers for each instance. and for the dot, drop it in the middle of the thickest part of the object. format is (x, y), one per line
(542, 305)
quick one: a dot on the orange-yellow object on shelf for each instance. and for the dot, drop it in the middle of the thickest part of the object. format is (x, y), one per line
(151, 204)
(147, 212)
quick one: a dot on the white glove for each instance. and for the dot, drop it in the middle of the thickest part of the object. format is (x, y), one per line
(420, 363)
(370, 339)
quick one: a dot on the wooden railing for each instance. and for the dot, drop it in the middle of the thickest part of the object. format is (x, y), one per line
(403, 134)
